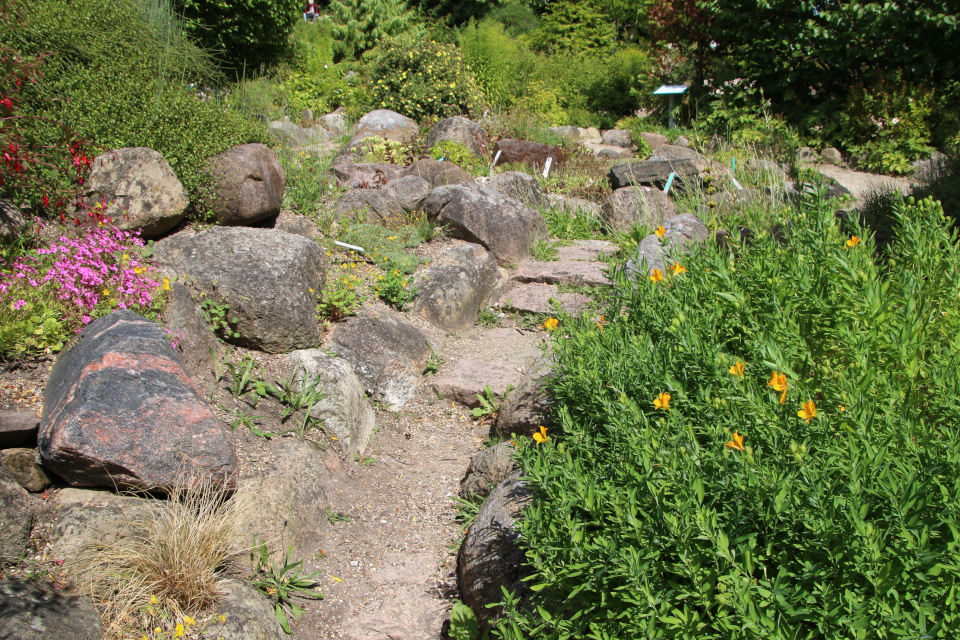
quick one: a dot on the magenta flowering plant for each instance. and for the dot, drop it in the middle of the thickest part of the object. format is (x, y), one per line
(51, 292)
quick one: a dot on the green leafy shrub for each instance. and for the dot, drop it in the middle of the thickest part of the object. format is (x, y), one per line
(459, 155)
(376, 149)
(942, 183)
(385, 247)
(395, 289)
(574, 26)
(761, 445)
(359, 25)
(421, 79)
(307, 183)
(342, 294)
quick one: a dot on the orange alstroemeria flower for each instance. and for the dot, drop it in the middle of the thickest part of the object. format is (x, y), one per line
(736, 369)
(736, 442)
(660, 231)
(677, 269)
(551, 324)
(808, 411)
(662, 402)
(541, 437)
(779, 383)
(656, 275)
(852, 242)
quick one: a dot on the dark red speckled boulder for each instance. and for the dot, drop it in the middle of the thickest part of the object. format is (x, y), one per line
(119, 410)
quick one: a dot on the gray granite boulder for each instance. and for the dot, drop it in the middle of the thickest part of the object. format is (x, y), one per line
(386, 124)
(247, 184)
(520, 186)
(345, 410)
(386, 352)
(680, 231)
(23, 466)
(29, 611)
(502, 225)
(18, 512)
(527, 407)
(652, 172)
(12, 220)
(249, 614)
(18, 428)
(269, 279)
(637, 205)
(438, 173)
(487, 469)
(191, 336)
(120, 411)
(617, 138)
(454, 289)
(140, 190)
(462, 131)
(410, 192)
(374, 206)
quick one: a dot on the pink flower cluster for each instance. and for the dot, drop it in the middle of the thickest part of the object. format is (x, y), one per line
(102, 265)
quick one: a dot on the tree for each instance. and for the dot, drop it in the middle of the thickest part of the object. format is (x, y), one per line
(685, 25)
(576, 27)
(360, 24)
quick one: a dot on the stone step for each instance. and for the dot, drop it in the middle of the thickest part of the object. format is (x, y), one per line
(564, 272)
(467, 378)
(535, 298)
(587, 250)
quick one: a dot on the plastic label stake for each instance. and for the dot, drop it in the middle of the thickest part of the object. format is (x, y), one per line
(666, 189)
(737, 184)
(349, 246)
(546, 168)
(733, 164)
(494, 163)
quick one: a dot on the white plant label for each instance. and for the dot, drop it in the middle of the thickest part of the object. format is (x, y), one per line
(546, 167)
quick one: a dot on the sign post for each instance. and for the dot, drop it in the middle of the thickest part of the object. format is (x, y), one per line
(671, 90)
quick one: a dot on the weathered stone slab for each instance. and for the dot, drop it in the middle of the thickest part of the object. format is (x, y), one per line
(535, 298)
(467, 378)
(560, 272)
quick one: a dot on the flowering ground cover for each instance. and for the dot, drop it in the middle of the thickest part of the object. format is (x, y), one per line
(760, 441)
(49, 293)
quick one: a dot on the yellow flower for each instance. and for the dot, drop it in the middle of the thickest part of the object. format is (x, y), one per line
(153, 599)
(852, 242)
(809, 411)
(677, 269)
(126, 256)
(656, 275)
(779, 383)
(662, 402)
(541, 437)
(223, 618)
(158, 630)
(737, 369)
(736, 442)
(178, 632)
(660, 232)
(166, 284)
(842, 408)
(106, 292)
(190, 621)
(551, 324)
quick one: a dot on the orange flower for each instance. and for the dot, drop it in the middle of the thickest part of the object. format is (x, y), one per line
(551, 324)
(737, 369)
(779, 383)
(541, 437)
(662, 402)
(656, 275)
(600, 324)
(660, 231)
(736, 442)
(852, 242)
(808, 411)
(677, 269)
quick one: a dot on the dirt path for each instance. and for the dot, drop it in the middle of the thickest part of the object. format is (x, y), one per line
(861, 184)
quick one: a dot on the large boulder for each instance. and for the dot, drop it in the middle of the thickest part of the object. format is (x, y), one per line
(248, 184)
(456, 286)
(655, 140)
(18, 511)
(520, 186)
(288, 498)
(527, 407)
(533, 153)
(269, 279)
(365, 175)
(617, 138)
(504, 226)
(12, 220)
(139, 189)
(491, 556)
(438, 173)
(295, 136)
(191, 336)
(336, 121)
(410, 192)
(31, 612)
(574, 206)
(120, 411)
(388, 125)
(654, 173)
(680, 231)
(249, 614)
(462, 131)
(637, 205)
(345, 410)
(18, 428)
(375, 206)
(487, 469)
(387, 353)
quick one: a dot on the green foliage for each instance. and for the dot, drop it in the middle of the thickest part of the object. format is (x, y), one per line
(246, 33)
(517, 18)
(564, 225)
(463, 623)
(334, 517)
(240, 376)
(341, 294)
(359, 25)
(459, 155)
(489, 402)
(544, 251)
(488, 318)
(280, 583)
(573, 26)
(395, 289)
(296, 393)
(657, 523)
(434, 362)
(878, 214)
(218, 318)
(377, 149)
(942, 183)
(307, 181)
(385, 247)
(421, 79)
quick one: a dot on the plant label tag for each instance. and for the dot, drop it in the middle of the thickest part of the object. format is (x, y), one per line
(666, 189)
(737, 184)
(733, 164)
(349, 246)
(546, 168)
(494, 163)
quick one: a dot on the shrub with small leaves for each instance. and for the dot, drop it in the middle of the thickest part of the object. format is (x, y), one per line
(384, 247)
(342, 294)
(395, 289)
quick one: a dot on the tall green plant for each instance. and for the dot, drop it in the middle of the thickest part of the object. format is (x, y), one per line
(360, 24)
